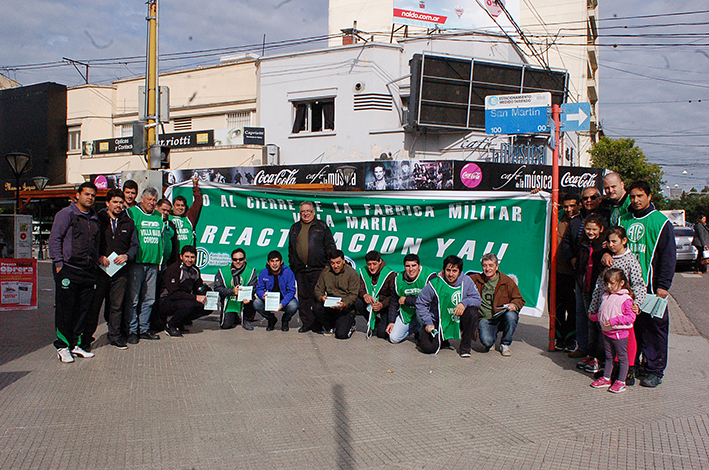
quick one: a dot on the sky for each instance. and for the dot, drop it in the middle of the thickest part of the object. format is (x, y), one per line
(654, 57)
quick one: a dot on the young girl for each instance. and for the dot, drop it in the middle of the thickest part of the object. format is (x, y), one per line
(616, 317)
(623, 259)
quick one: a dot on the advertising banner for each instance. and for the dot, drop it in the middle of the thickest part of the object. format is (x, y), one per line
(125, 144)
(18, 287)
(459, 14)
(431, 224)
(485, 176)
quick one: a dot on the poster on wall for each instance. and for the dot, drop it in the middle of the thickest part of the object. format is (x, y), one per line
(456, 14)
(431, 224)
(18, 284)
(485, 176)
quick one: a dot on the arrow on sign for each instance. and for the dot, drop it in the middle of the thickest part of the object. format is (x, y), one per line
(579, 117)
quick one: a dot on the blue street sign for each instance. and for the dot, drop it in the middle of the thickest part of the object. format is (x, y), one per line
(517, 114)
(575, 117)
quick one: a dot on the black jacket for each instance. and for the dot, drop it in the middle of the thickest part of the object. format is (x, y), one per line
(321, 245)
(124, 241)
(570, 243)
(179, 287)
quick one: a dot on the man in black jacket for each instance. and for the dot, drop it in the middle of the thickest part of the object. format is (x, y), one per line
(118, 244)
(180, 297)
(310, 245)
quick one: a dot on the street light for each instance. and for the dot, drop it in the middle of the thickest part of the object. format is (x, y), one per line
(18, 164)
(347, 173)
(40, 182)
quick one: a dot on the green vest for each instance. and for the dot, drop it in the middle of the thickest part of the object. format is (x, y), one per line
(233, 305)
(643, 234)
(373, 290)
(185, 231)
(618, 211)
(405, 288)
(448, 298)
(167, 235)
(149, 228)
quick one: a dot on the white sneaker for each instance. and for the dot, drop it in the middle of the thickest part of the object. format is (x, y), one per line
(64, 355)
(505, 350)
(77, 351)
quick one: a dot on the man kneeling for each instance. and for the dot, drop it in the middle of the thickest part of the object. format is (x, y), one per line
(179, 297)
(279, 280)
(447, 306)
(501, 303)
(336, 292)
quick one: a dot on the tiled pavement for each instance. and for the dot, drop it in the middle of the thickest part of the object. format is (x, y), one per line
(223, 399)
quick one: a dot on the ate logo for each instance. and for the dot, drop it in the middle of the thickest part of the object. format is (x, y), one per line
(457, 297)
(636, 232)
(202, 257)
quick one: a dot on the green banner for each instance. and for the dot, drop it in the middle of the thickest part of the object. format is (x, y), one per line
(433, 225)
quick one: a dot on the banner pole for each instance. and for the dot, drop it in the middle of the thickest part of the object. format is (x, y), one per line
(555, 112)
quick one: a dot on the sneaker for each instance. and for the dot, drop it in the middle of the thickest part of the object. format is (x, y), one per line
(64, 355)
(570, 346)
(119, 344)
(559, 345)
(617, 387)
(576, 353)
(133, 338)
(583, 362)
(173, 332)
(464, 354)
(149, 335)
(651, 381)
(303, 329)
(601, 383)
(592, 366)
(247, 326)
(77, 351)
(505, 350)
(330, 332)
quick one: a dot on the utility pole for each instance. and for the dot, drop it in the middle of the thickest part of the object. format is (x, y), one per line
(555, 112)
(151, 88)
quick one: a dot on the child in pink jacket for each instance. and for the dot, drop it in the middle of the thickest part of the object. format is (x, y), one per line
(616, 318)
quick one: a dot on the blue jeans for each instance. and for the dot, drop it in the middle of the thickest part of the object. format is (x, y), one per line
(142, 283)
(506, 323)
(402, 330)
(288, 311)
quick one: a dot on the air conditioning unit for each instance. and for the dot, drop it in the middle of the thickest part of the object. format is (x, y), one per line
(233, 136)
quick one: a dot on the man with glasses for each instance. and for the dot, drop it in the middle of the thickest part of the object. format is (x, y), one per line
(228, 282)
(310, 246)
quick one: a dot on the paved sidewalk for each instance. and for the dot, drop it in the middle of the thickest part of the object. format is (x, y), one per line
(226, 399)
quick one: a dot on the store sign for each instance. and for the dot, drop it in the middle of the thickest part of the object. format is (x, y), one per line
(18, 285)
(125, 144)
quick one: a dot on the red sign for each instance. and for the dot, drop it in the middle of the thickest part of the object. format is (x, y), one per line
(419, 16)
(18, 284)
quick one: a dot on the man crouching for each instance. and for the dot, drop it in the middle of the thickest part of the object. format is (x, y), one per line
(179, 297)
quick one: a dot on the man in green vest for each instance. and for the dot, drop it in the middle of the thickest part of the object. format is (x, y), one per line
(143, 274)
(403, 320)
(446, 306)
(185, 217)
(651, 238)
(617, 200)
(229, 281)
(377, 281)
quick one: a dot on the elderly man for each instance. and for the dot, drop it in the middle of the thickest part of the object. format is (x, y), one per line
(500, 305)
(447, 306)
(310, 246)
(617, 199)
(336, 293)
(651, 239)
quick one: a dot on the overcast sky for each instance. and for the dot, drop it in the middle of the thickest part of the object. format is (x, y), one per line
(653, 84)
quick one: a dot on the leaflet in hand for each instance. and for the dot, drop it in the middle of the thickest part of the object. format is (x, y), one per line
(112, 267)
(212, 302)
(332, 301)
(272, 300)
(654, 305)
(245, 293)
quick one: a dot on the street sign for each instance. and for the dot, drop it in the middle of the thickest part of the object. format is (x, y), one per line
(517, 114)
(575, 117)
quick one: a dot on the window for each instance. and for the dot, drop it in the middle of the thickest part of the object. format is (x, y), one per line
(74, 139)
(314, 116)
(239, 119)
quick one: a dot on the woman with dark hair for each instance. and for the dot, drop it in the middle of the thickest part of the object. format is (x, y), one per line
(701, 242)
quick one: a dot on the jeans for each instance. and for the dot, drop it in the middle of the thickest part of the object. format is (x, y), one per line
(142, 283)
(401, 330)
(288, 311)
(506, 323)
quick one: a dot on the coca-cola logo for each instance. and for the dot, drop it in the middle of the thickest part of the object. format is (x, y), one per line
(585, 180)
(282, 177)
(471, 175)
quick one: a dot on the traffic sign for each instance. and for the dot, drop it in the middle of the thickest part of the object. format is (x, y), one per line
(575, 117)
(517, 114)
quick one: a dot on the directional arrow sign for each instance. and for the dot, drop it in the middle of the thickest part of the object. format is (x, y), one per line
(575, 117)
(517, 114)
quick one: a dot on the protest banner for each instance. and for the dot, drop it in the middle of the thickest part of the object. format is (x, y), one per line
(432, 224)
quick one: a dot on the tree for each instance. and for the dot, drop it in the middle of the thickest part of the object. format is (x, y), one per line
(623, 157)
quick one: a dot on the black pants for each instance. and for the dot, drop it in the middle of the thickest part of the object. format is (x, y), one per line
(380, 324)
(181, 311)
(651, 334)
(341, 320)
(110, 290)
(306, 297)
(428, 344)
(565, 308)
(74, 290)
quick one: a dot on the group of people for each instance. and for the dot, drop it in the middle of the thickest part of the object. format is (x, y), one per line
(140, 262)
(612, 254)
